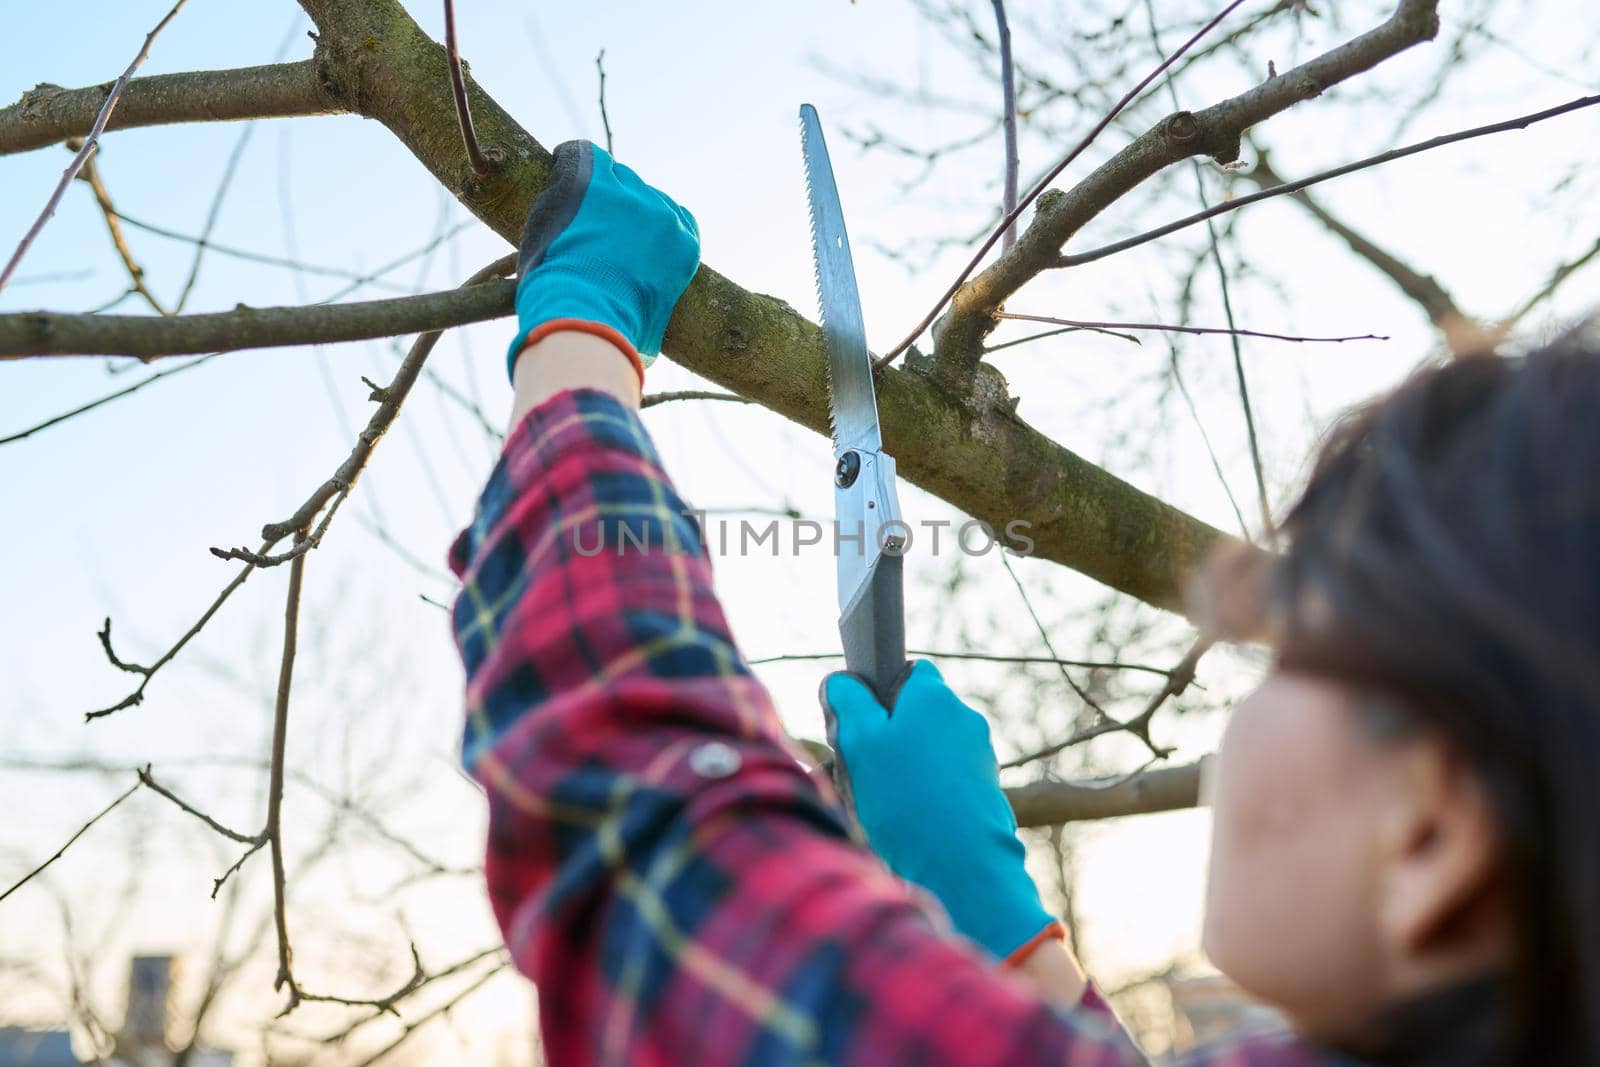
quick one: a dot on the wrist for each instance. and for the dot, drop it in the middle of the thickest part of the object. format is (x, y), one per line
(1053, 931)
(1050, 970)
(567, 359)
(594, 328)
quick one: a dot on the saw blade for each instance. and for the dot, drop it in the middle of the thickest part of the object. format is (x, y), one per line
(852, 407)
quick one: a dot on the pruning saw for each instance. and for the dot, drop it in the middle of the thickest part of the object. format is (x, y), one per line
(870, 537)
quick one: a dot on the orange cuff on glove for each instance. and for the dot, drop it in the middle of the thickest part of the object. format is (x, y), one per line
(1053, 932)
(596, 329)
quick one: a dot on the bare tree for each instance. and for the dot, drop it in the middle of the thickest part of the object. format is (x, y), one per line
(949, 416)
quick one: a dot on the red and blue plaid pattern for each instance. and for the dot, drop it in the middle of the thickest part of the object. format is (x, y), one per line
(678, 888)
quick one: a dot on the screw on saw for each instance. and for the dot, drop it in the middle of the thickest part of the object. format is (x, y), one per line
(844, 475)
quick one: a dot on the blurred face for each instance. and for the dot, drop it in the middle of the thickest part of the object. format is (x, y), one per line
(1301, 857)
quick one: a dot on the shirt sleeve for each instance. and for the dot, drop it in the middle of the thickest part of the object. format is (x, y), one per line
(662, 867)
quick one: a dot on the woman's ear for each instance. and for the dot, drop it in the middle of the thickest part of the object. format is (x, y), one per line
(1441, 854)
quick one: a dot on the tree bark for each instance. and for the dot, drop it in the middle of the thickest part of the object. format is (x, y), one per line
(44, 333)
(1159, 789)
(48, 114)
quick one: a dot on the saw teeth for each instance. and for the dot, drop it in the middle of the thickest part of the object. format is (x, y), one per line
(816, 270)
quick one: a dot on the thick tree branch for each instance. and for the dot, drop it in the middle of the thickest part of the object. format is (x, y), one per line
(1215, 131)
(970, 449)
(1160, 789)
(48, 333)
(48, 114)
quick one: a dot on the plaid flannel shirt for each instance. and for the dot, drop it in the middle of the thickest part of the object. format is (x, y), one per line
(677, 886)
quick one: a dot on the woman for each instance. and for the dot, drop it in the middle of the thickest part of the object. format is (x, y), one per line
(1407, 852)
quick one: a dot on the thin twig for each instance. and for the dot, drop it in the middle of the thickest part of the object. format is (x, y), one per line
(1008, 91)
(336, 486)
(384, 1004)
(491, 432)
(90, 175)
(1268, 529)
(652, 399)
(52, 276)
(1043, 183)
(108, 398)
(423, 1020)
(225, 182)
(605, 119)
(218, 883)
(342, 481)
(1205, 438)
(137, 696)
(1044, 636)
(215, 212)
(1178, 679)
(1171, 328)
(435, 976)
(286, 262)
(1057, 333)
(1519, 123)
(25, 879)
(274, 827)
(458, 86)
(1547, 290)
(90, 142)
(986, 657)
(1433, 298)
(149, 780)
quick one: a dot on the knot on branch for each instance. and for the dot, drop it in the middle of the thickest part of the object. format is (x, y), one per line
(1048, 201)
(977, 389)
(39, 95)
(1181, 127)
(990, 391)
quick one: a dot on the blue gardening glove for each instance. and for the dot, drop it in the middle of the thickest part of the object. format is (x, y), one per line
(601, 247)
(926, 788)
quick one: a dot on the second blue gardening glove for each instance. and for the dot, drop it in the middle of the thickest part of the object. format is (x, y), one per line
(602, 249)
(926, 788)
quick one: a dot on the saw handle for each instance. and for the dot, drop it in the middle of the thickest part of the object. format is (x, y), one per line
(873, 629)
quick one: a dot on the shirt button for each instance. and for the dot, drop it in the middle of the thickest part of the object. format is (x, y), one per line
(714, 759)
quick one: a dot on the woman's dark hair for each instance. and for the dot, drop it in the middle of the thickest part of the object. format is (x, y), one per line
(1447, 551)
